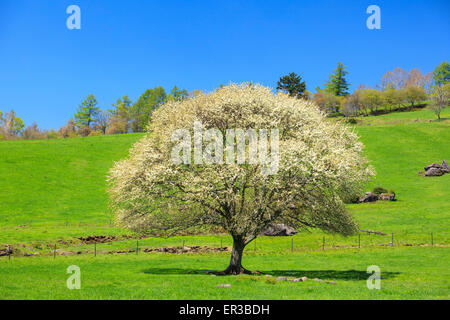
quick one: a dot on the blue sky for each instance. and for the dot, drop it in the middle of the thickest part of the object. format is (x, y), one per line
(125, 47)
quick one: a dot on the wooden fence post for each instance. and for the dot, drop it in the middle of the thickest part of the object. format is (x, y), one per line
(359, 240)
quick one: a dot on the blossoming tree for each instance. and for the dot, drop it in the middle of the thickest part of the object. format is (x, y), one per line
(320, 166)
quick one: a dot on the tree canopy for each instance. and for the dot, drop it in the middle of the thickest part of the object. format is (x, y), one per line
(441, 74)
(337, 84)
(86, 112)
(440, 97)
(293, 85)
(144, 107)
(319, 166)
(10, 125)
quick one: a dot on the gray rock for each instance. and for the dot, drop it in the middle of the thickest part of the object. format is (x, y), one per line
(32, 254)
(387, 197)
(369, 197)
(277, 230)
(434, 172)
(445, 166)
(433, 165)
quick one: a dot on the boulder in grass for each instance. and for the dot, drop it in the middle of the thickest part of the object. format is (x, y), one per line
(445, 166)
(387, 196)
(33, 254)
(277, 230)
(434, 172)
(433, 165)
(436, 169)
(369, 197)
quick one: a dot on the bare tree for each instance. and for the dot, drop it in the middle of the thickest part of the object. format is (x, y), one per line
(102, 120)
(440, 97)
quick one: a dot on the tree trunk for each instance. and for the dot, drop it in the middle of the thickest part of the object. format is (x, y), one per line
(235, 266)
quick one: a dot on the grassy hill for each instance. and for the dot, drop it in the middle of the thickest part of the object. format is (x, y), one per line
(48, 184)
(55, 190)
(399, 145)
(50, 187)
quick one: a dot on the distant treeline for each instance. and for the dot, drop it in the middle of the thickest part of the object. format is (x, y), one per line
(397, 89)
(124, 116)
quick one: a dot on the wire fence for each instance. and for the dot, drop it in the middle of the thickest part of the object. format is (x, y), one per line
(223, 243)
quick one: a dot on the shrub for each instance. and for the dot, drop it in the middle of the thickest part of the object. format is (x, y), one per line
(94, 133)
(52, 134)
(67, 131)
(117, 126)
(84, 131)
(379, 190)
(33, 133)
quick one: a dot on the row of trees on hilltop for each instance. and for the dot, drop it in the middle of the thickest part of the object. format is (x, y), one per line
(398, 89)
(124, 116)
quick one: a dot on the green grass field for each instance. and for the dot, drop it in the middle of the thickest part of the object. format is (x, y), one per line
(407, 273)
(54, 191)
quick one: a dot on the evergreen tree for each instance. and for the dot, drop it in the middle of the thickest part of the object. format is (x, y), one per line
(142, 110)
(121, 115)
(122, 108)
(441, 75)
(86, 112)
(337, 84)
(177, 94)
(293, 85)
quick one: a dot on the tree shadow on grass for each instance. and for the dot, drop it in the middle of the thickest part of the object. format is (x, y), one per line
(443, 119)
(177, 271)
(349, 275)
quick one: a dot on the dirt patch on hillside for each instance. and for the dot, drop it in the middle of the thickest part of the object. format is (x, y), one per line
(109, 238)
(98, 239)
